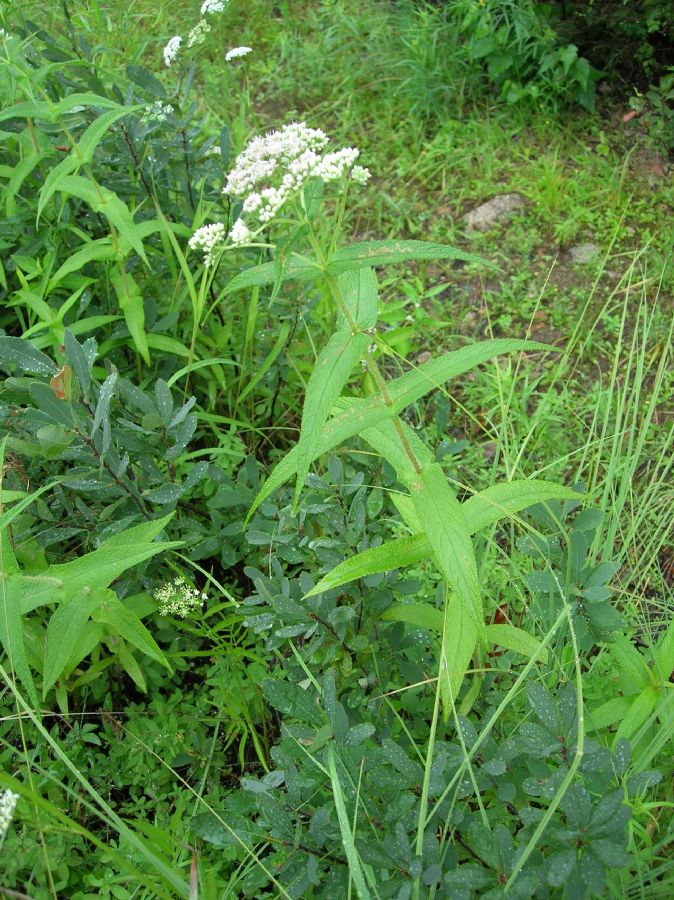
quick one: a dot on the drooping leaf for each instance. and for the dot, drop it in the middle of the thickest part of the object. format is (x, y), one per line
(48, 111)
(98, 568)
(80, 154)
(331, 371)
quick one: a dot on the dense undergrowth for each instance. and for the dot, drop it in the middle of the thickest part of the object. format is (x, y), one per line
(335, 538)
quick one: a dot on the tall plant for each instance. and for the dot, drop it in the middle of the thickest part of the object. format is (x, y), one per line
(282, 178)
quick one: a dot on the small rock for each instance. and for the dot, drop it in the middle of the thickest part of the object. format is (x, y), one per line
(489, 450)
(583, 253)
(498, 209)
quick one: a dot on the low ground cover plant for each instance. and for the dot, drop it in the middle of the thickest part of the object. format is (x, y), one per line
(291, 605)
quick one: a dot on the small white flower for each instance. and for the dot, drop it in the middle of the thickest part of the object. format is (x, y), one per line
(156, 112)
(171, 49)
(211, 7)
(360, 174)
(177, 598)
(209, 238)
(215, 150)
(7, 805)
(198, 34)
(237, 52)
(240, 233)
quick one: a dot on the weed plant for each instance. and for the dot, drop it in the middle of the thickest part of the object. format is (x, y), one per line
(313, 585)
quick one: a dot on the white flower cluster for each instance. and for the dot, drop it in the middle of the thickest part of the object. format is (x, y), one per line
(360, 174)
(268, 172)
(177, 598)
(156, 112)
(171, 49)
(7, 805)
(198, 34)
(208, 238)
(237, 52)
(211, 7)
(288, 157)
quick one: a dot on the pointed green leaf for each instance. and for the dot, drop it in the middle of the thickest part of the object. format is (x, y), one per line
(359, 415)
(104, 201)
(508, 498)
(25, 357)
(382, 253)
(641, 708)
(94, 250)
(11, 629)
(50, 112)
(100, 567)
(359, 292)
(126, 623)
(459, 639)
(330, 373)
(664, 653)
(65, 630)
(480, 511)
(444, 524)
(413, 385)
(80, 154)
(513, 638)
(422, 615)
(385, 558)
(131, 303)
(297, 268)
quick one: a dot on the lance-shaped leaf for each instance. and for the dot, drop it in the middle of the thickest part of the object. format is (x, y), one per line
(48, 111)
(104, 201)
(459, 638)
(15, 351)
(383, 253)
(65, 630)
(330, 373)
(297, 268)
(131, 303)
(359, 293)
(445, 526)
(96, 569)
(81, 153)
(481, 510)
(362, 414)
(125, 622)
(421, 615)
(513, 638)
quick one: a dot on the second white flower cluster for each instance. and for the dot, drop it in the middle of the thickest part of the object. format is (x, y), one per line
(198, 35)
